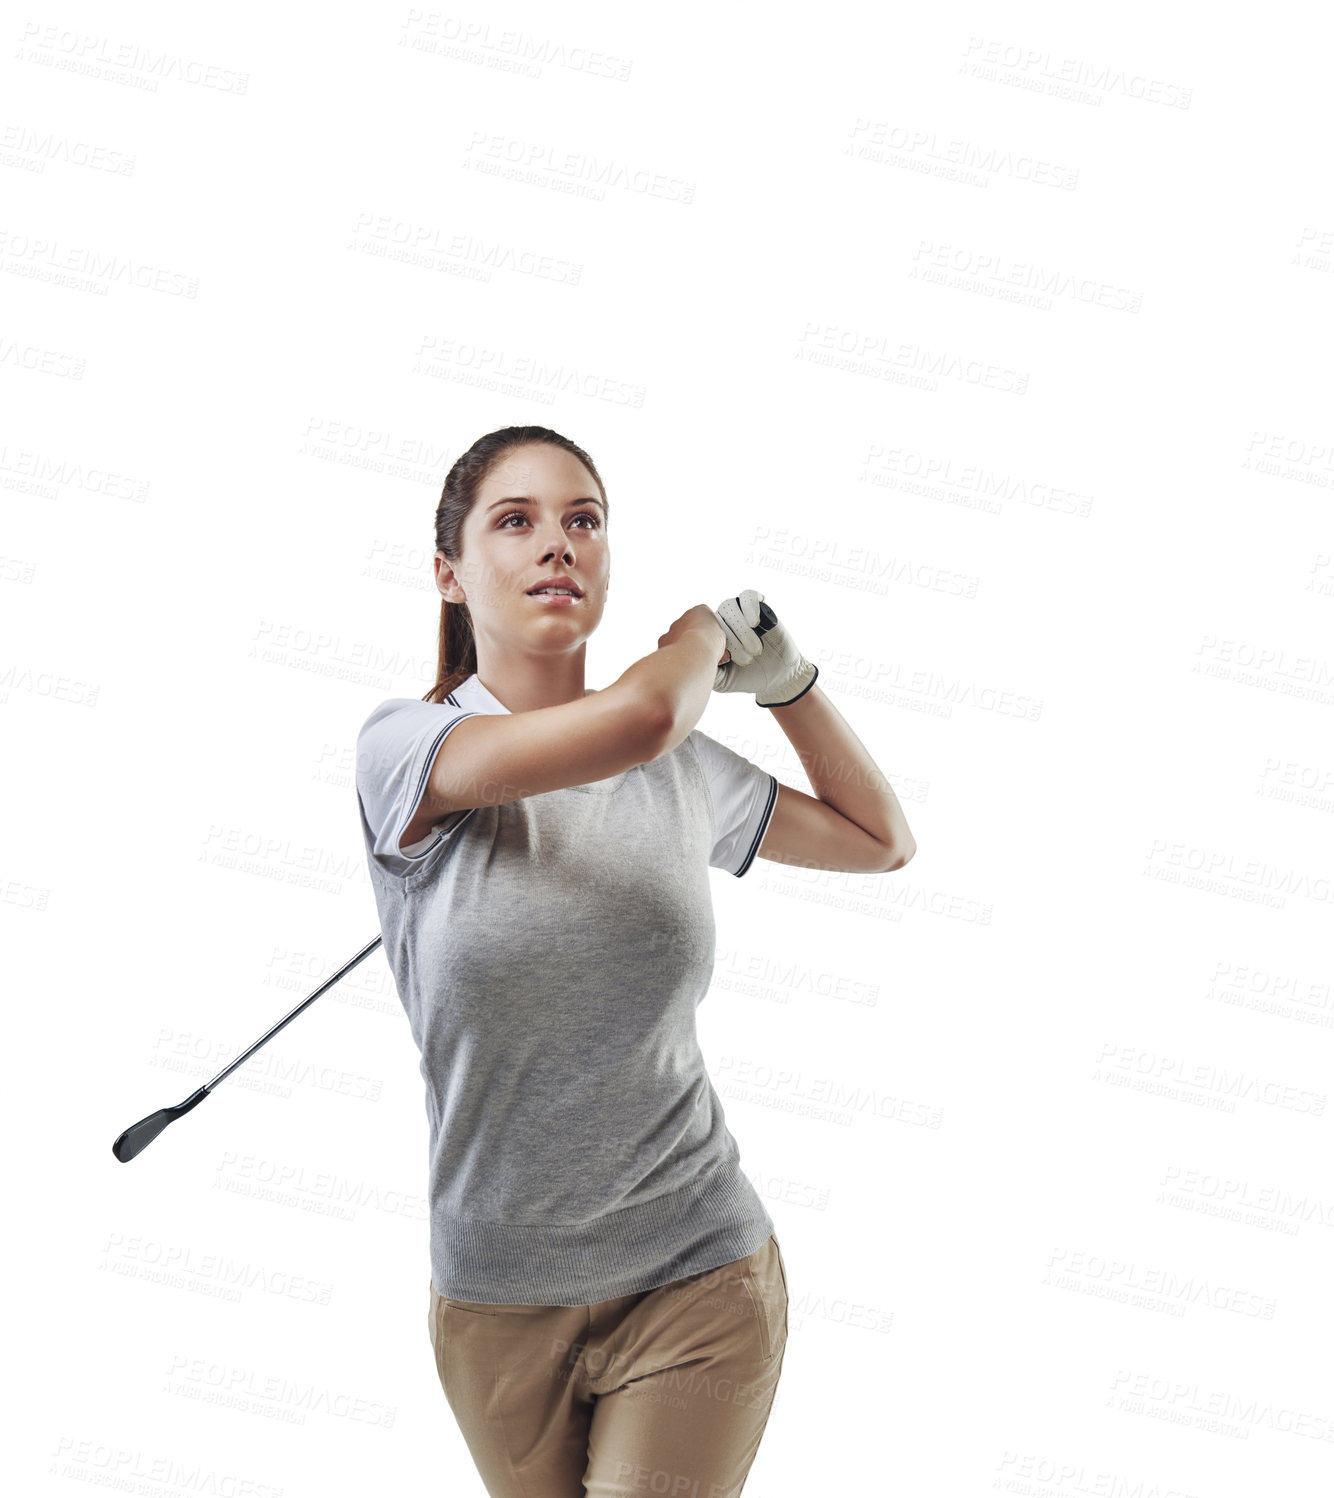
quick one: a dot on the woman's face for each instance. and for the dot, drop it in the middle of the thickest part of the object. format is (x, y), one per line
(537, 515)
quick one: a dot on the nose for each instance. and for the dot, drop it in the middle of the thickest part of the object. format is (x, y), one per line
(561, 549)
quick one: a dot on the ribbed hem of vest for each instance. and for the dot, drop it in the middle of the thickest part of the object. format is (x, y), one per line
(705, 1224)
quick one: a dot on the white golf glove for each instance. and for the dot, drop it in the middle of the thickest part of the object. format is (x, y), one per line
(770, 665)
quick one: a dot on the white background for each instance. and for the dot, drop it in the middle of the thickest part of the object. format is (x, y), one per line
(990, 344)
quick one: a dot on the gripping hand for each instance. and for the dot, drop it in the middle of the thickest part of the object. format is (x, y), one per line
(769, 663)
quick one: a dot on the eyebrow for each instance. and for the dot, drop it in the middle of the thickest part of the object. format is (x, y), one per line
(527, 499)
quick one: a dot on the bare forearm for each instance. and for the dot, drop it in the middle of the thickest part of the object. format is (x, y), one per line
(841, 772)
(677, 680)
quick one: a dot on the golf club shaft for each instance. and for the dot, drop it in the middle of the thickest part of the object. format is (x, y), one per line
(288, 1018)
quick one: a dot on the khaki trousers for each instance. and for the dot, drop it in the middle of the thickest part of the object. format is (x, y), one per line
(666, 1391)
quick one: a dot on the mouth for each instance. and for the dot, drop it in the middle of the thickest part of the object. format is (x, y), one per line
(556, 599)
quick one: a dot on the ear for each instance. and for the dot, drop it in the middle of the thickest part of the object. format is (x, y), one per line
(445, 579)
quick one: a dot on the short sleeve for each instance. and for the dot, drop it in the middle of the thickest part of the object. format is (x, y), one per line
(396, 747)
(744, 798)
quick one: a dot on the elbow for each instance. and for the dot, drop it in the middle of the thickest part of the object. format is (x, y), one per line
(899, 854)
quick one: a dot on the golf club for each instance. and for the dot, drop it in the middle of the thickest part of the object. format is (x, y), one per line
(139, 1136)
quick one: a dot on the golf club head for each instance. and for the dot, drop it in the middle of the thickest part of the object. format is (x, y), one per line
(139, 1136)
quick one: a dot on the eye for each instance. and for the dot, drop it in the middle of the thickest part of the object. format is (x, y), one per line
(503, 523)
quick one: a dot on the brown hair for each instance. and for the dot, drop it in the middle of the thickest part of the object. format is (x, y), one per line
(457, 647)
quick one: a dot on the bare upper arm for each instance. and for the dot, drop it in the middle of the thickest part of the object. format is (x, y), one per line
(491, 758)
(814, 835)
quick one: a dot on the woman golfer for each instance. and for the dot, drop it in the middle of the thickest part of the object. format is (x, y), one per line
(608, 1303)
